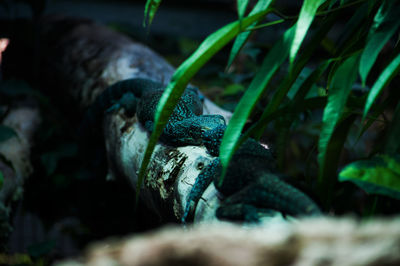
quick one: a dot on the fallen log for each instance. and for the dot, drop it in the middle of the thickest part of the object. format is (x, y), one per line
(322, 241)
(83, 58)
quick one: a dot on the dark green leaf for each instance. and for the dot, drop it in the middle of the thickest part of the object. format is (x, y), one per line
(210, 46)
(284, 87)
(6, 133)
(331, 4)
(352, 26)
(386, 24)
(330, 162)
(242, 38)
(393, 136)
(242, 6)
(276, 56)
(150, 11)
(379, 175)
(307, 14)
(383, 80)
(233, 89)
(340, 88)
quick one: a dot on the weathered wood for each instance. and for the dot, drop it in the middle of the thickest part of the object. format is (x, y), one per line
(312, 242)
(84, 58)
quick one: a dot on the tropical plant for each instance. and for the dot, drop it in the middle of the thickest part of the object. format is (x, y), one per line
(349, 84)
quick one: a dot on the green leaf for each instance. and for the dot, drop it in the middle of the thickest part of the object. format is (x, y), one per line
(379, 175)
(233, 89)
(352, 26)
(6, 133)
(307, 14)
(240, 41)
(276, 56)
(285, 86)
(150, 11)
(333, 150)
(242, 6)
(210, 46)
(386, 23)
(340, 88)
(393, 136)
(1, 180)
(383, 80)
(242, 38)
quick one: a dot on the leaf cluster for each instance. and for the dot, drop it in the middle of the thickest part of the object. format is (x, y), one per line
(352, 79)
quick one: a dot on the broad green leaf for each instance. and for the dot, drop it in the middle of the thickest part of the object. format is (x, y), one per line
(1, 180)
(242, 38)
(388, 22)
(276, 56)
(6, 133)
(242, 6)
(393, 136)
(306, 17)
(150, 11)
(383, 80)
(340, 88)
(378, 175)
(210, 46)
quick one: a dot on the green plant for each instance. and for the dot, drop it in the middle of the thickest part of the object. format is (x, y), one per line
(352, 73)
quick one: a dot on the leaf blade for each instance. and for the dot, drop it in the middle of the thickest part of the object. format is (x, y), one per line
(392, 140)
(307, 14)
(211, 45)
(150, 11)
(272, 62)
(386, 24)
(242, 38)
(378, 175)
(241, 7)
(382, 81)
(341, 85)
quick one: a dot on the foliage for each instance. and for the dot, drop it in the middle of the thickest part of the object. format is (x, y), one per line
(348, 84)
(378, 175)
